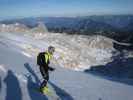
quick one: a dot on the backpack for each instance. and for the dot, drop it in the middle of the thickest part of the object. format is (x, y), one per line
(41, 58)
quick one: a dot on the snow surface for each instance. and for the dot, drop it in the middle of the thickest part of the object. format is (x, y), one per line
(19, 74)
(74, 52)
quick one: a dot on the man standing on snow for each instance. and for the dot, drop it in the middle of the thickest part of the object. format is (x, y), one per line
(43, 60)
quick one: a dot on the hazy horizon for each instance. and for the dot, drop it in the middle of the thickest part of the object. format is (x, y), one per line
(10, 9)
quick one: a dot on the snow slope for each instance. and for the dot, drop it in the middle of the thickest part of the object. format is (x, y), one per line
(19, 75)
(72, 51)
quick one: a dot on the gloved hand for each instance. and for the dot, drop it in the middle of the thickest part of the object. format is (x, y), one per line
(51, 68)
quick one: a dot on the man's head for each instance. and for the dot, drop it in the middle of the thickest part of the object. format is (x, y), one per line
(51, 49)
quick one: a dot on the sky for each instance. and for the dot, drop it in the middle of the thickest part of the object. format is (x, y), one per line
(36, 8)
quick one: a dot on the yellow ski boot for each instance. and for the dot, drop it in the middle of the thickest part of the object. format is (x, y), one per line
(45, 90)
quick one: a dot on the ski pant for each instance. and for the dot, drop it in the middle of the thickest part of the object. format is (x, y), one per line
(45, 75)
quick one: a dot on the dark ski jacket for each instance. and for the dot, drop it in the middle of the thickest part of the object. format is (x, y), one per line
(43, 60)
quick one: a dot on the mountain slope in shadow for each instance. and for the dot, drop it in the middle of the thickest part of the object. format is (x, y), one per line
(120, 70)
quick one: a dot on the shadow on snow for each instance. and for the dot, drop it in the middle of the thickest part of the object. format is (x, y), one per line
(33, 86)
(0, 84)
(60, 92)
(13, 87)
(120, 70)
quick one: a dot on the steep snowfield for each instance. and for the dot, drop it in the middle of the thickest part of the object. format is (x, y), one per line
(19, 75)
